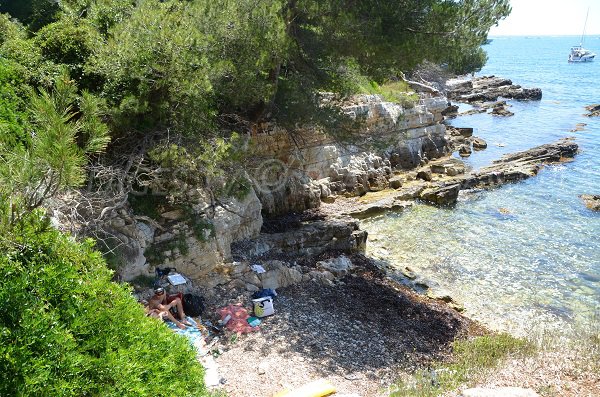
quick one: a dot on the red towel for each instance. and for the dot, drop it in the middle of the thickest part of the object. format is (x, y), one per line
(239, 319)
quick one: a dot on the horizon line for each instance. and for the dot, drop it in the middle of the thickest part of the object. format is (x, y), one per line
(542, 34)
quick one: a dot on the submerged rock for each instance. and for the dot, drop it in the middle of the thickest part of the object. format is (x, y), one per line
(594, 110)
(500, 109)
(592, 201)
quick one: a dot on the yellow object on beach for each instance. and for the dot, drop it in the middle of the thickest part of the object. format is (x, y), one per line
(318, 388)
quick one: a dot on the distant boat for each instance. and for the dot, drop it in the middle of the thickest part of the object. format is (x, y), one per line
(578, 53)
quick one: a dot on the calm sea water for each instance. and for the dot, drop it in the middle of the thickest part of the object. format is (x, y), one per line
(536, 263)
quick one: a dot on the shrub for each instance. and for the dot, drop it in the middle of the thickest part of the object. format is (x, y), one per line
(68, 42)
(11, 107)
(67, 330)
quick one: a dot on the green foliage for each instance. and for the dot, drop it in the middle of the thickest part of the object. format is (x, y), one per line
(397, 92)
(34, 13)
(471, 359)
(188, 66)
(67, 330)
(148, 205)
(238, 187)
(66, 130)
(246, 42)
(202, 228)
(12, 107)
(68, 42)
(103, 14)
(213, 163)
(155, 70)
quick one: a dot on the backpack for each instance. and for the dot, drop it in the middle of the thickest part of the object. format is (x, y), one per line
(193, 305)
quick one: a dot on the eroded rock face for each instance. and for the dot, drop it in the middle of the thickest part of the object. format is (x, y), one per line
(326, 167)
(490, 88)
(194, 245)
(297, 193)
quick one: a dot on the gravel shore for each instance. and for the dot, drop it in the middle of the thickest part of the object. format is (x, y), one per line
(360, 334)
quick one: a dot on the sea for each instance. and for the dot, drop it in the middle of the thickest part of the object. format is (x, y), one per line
(526, 256)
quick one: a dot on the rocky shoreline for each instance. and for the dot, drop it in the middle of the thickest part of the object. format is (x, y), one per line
(340, 315)
(440, 181)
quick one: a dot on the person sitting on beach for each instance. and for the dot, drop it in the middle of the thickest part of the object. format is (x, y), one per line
(159, 302)
(155, 313)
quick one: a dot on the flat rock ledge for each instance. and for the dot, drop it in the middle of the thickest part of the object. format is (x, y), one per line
(521, 165)
(489, 88)
(446, 177)
(592, 201)
(510, 168)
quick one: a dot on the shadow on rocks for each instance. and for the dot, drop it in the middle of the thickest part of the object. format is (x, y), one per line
(366, 322)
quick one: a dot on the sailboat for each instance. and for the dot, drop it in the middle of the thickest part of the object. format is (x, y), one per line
(578, 53)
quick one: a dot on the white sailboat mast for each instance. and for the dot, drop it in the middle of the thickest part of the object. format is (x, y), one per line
(584, 25)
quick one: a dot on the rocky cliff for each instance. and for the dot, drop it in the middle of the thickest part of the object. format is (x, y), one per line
(320, 167)
(311, 166)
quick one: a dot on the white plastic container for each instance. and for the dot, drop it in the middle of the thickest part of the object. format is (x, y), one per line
(263, 306)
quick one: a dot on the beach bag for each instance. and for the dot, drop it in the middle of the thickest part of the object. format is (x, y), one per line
(263, 306)
(193, 305)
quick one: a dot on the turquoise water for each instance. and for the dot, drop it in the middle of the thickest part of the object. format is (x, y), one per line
(536, 263)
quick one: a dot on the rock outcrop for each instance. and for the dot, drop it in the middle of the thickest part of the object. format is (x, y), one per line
(489, 88)
(522, 165)
(592, 201)
(194, 243)
(301, 169)
(449, 176)
(306, 240)
(300, 174)
(324, 167)
(594, 110)
(463, 141)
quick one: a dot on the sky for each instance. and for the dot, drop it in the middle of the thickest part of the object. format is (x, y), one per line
(549, 17)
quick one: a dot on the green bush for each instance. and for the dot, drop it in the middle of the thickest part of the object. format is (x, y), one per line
(67, 330)
(11, 107)
(69, 42)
